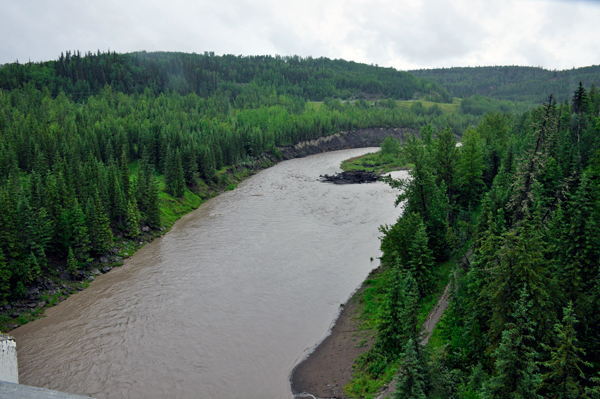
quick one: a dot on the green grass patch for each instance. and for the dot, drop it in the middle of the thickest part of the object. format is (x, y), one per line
(446, 108)
(172, 208)
(375, 162)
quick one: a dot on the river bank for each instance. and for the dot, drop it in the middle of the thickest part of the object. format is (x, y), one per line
(228, 302)
(51, 288)
(330, 368)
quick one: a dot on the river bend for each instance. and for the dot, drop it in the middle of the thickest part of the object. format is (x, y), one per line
(228, 302)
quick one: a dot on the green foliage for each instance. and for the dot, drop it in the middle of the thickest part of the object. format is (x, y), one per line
(564, 376)
(515, 369)
(247, 79)
(71, 262)
(513, 83)
(411, 381)
(420, 259)
(420, 194)
(534, 253)
(5, 275)
(470, 166)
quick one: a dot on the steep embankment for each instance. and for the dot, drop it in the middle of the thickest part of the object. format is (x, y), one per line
(369, 137)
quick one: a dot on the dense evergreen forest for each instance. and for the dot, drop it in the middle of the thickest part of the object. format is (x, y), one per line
(512, 83)
(307, 78)
(92, 146)
(519, 203)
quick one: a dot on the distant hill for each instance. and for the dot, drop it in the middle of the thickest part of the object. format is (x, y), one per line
(204, 74)
(514, 83)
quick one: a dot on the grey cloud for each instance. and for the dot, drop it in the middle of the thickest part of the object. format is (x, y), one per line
(419, 33)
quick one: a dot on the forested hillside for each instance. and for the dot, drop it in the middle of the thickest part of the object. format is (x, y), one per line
(520, 199)
(244, 80)
(95, 148)
(513, 83)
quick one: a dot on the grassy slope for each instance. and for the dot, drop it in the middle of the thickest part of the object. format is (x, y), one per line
(364, 384)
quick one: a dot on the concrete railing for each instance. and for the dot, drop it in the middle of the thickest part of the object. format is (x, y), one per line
(9, 376)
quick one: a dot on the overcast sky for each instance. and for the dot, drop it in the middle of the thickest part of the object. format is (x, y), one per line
(405, 34)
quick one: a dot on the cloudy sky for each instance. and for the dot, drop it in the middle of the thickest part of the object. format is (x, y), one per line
(405, 34)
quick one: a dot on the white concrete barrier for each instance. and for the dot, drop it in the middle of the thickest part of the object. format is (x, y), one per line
(9, 367)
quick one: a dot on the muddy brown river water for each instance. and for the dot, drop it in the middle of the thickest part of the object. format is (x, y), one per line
(228, 302)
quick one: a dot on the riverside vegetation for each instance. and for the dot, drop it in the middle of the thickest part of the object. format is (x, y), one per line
(521, 199)
(100, 152)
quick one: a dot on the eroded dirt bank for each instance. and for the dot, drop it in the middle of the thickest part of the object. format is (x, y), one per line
(368, 137)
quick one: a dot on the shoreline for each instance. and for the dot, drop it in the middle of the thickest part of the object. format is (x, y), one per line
(50, 289)
(327, 369)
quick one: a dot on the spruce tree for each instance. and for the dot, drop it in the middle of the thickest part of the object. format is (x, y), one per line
(124, 171)
(71, 262)
(174, 175)
(132, 220)
(9, 236)
(80, 241)
(533, 163)
(390, 331)
(98, 225)
(410, 309)
(153, 213)
(515, 369)
(396, 239)
(5, 275)
(424, 197)
(411, 379)
(446, 158)
(470, 166)
(564, 378)
(420, 261)
(42, 235)
(522, 266)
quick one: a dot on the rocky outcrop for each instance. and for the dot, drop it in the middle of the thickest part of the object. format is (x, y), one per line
(370, 137)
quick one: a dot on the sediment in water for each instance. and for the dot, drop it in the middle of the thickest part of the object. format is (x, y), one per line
(328, 368)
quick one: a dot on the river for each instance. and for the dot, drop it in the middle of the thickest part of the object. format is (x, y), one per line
(228, 302)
